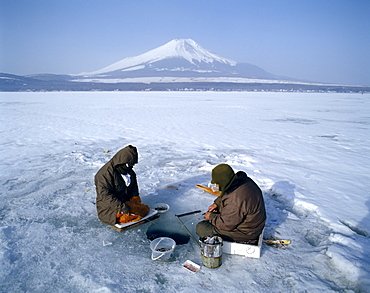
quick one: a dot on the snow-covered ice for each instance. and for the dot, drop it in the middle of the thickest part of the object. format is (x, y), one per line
(308, 152)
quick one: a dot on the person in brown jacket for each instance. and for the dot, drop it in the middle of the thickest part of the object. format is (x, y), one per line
(238, 214)
(117, 190)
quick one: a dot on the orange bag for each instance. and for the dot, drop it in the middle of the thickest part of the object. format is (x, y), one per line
(127, 218)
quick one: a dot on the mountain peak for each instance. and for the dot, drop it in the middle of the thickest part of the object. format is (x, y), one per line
(186, 49)
(192, 51)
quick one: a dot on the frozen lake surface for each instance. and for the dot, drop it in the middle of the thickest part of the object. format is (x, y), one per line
(309, 153)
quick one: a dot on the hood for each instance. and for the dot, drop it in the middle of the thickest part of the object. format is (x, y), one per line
(127, 155)
(240, 178)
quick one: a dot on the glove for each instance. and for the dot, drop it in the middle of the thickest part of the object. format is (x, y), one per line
(136, 207)
(135, 199)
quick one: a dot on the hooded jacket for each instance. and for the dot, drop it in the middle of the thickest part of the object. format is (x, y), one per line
(111, 188)
(242, 213)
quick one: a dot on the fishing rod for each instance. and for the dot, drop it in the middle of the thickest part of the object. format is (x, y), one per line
(183, 225)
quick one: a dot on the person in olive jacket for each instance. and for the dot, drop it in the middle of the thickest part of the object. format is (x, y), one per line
(238, 214)
(116, 185)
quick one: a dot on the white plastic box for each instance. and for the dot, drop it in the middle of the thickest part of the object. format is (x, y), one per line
(248, 250)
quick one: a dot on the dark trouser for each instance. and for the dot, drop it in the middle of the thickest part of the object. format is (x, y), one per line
(205, 229)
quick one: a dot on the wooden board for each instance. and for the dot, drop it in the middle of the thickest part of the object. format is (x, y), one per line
(205, 188)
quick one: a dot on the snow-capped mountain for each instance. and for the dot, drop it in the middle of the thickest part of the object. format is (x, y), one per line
(181, 64)
(178, 58)
(178, 49)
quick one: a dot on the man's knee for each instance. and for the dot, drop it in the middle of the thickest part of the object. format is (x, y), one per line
(205, 229)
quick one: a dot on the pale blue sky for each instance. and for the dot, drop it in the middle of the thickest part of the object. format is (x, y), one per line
(318, 40)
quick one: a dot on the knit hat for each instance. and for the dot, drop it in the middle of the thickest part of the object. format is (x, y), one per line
(223, 175)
